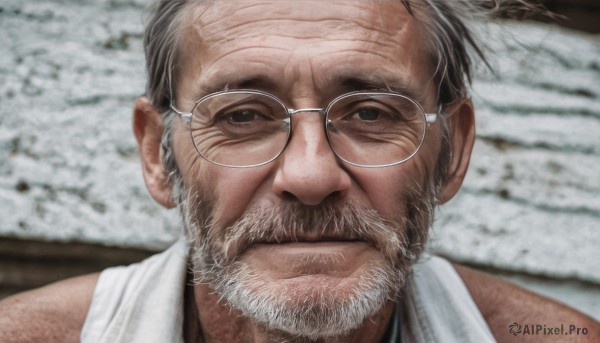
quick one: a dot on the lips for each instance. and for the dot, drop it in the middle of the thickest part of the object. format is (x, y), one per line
(310, 238)
(304, 237)
(329, 259)
(319, 240)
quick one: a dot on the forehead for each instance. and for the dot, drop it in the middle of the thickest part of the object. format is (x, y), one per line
(293, 41)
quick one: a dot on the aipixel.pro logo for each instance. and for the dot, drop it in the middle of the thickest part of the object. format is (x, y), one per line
(514, 328)
(546, 330)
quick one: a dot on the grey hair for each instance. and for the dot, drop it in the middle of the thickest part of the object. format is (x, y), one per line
(162, 39)
(451, 43)
(451, 39)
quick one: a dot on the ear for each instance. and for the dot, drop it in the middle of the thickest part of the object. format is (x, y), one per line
(148, 129)
(461, 122)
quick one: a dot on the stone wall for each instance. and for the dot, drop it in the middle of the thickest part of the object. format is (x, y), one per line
(71, 192)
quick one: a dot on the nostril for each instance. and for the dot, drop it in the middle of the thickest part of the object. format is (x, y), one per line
(288, 196)
(332, 197)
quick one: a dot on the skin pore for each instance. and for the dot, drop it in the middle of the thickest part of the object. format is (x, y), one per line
(306, 54)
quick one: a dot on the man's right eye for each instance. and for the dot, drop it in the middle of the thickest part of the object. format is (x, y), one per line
(241, 116)
(368, 114)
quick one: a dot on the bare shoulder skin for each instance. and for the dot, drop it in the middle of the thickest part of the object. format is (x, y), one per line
(54, 313)
(502, 303)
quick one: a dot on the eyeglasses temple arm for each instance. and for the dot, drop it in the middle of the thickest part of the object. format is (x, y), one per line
(186, 116)
(430, 117)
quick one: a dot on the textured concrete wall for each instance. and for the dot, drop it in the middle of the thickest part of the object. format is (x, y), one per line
(69, 73)
(69, 171)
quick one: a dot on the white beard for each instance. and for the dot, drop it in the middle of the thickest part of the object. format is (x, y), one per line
(318, 313)
(321, 313)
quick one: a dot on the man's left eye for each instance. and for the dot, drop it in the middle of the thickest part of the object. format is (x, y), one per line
(242, 116)
(368, 114)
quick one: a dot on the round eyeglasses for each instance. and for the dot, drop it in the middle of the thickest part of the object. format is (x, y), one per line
(249, 128)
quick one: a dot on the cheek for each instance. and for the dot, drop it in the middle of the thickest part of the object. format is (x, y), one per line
(385, 188)
(190, 164)
(382, 188)
(232, 189)
(235, 191)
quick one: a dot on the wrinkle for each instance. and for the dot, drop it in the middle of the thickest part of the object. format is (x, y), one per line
(211, 21)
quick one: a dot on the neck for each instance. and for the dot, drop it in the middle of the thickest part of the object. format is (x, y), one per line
(221, 323)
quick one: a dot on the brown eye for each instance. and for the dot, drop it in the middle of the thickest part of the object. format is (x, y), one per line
(242, 116)
(368, 114)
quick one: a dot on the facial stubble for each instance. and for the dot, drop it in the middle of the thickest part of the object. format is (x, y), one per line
(323, 312)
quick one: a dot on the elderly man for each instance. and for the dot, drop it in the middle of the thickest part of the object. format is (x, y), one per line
(306, 145)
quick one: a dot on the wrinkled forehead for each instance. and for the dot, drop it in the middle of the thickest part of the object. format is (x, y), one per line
(218, 30)
(222, 22)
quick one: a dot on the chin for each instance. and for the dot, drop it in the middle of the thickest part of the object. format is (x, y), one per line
(309, 306)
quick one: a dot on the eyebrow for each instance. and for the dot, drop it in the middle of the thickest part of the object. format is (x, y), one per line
(360, 82)
(257, 81)
(338, 84)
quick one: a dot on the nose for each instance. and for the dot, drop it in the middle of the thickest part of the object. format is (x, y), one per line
(308, 171)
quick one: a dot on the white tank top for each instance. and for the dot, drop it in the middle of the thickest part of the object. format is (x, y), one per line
(144, 303)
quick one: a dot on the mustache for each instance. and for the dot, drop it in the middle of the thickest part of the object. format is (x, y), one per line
(294, 222)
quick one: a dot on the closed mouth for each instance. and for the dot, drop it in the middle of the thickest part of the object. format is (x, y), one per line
(310, 238)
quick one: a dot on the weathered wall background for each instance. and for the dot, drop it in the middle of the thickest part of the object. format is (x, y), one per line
(72, 198)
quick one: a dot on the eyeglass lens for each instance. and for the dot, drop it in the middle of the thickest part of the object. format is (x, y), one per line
(247, 128)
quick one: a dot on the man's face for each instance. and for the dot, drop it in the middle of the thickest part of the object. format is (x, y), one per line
(306, 233)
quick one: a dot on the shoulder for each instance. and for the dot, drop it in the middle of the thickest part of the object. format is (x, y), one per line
(502, 303)
(54, 313)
